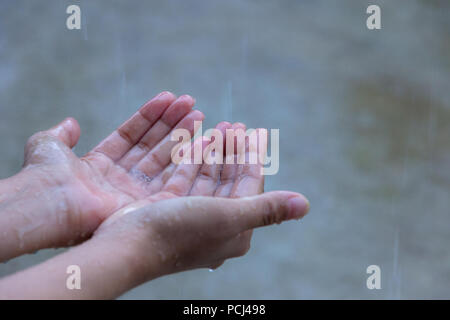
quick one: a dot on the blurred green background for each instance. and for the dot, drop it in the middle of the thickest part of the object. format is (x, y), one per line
(363, 118)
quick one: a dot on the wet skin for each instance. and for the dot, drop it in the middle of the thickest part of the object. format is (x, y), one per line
(159, 238)
(159, 217)
(59, 199)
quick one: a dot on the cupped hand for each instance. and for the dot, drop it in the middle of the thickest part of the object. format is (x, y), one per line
(131, 164)
(213, 224)
(194, 232)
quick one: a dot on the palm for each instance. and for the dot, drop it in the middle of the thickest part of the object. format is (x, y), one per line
(134, 163)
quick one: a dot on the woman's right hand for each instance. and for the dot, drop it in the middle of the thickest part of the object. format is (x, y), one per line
(194, 232)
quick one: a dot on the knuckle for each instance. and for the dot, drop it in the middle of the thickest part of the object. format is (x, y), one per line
(144, 145)
(271, 214)
(126, 135)
(205, 174)
(174, 189)
(183, 173)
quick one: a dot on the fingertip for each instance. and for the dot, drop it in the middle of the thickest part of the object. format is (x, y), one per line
(263, 131)
(224, 124)
(189, 99)
(71, 123)
(73, 130)
(163, 99)
(298, 207)
(166, 94)
(198, 114)
(222, 127)
(178, 110)
(239, 125)
(67, 131)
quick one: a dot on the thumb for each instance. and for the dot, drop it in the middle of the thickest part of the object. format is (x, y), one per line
(65, 134)
(266, 209)
(67, 131)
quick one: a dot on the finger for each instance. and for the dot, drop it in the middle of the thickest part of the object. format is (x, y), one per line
(239, 215)
(128, 134)
(182, 179)
(250, 180)
(267, 209)
(161, 180)
(231, 168)
(172, 115)
(235, 216)
(206, 182)
(159, 157)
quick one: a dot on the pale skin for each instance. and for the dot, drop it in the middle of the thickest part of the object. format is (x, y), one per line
(135, 215)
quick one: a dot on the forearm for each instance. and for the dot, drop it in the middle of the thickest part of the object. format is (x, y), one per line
(107, 270)
(33, 213)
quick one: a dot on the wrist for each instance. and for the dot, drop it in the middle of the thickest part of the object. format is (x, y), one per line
(33, 214)
(121, 259)
(138, 250)
(106, 270)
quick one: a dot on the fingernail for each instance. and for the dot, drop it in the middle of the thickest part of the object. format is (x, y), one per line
(198, 113)
(187, 97)
(162, 94)
(298, 207)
